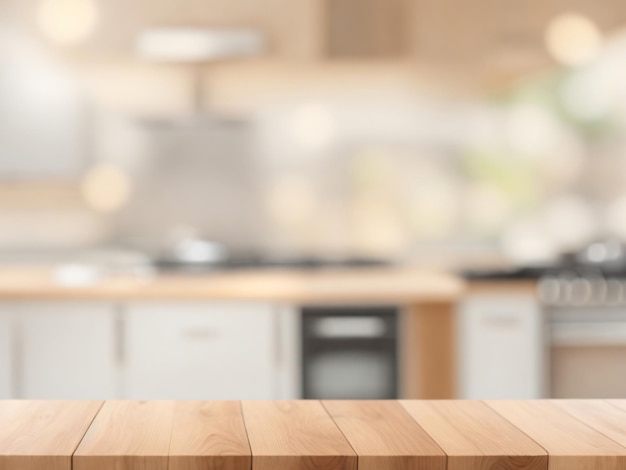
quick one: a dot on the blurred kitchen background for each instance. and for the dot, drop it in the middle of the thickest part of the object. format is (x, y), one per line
(483, 142)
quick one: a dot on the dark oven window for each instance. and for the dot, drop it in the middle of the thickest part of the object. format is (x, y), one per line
(349, 353)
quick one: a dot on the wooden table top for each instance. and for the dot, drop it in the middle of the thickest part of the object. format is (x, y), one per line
(313, 435)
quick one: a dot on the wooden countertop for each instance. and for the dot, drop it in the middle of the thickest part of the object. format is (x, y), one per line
(380, 285)
(307, 435)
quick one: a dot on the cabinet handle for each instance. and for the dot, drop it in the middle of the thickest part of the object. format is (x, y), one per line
(278, 335)
(501, 321)
(17, 351)
(120, 335)
(200, 334)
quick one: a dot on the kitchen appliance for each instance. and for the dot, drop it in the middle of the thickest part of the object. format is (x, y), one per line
(587, 351)
(583, 300)
(586, 318)
(349, 352)
(233, 260)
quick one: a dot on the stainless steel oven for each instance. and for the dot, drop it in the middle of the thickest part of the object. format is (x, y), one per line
(586, 316)
(349, 352)
(587, 352)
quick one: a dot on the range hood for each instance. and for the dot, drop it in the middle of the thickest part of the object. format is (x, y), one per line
(194, 48)
(198, 45)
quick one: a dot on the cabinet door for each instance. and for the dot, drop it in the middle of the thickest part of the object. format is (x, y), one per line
(501, 347)
(6, 354)
(67, 351)
(207, 351)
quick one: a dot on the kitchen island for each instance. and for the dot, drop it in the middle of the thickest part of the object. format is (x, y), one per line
(427, 298)
(306, 435)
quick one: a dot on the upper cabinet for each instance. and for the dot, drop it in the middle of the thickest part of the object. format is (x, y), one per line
(366, 29)
(43, 116)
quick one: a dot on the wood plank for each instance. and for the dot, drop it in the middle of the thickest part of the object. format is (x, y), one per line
(571, 444)
(37, 435)
(384, 436)
(475, 437)
(429, 356)
(295, 435)
(128, 435)
(209, 434)
(621, 404)
(601, 415)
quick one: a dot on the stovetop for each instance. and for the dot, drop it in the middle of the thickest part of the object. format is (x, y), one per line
(539, 272)
(566, 285)
(257, 262)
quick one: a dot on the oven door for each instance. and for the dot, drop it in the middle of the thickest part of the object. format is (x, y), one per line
(349, 355)
(588, 353)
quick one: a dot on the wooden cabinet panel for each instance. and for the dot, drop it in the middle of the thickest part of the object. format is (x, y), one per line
(429, 341)
(366, 28)
(302, 436)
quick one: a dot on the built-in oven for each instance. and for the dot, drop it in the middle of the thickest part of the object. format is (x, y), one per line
(587, 351)
(349, 352)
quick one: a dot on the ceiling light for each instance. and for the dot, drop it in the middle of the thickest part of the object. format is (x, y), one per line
(106, 188)
(67, 22)
(313, 126)
(572, 39)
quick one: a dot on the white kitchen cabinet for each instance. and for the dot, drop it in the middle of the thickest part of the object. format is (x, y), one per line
(6, 354)
(501, 347)
(201, 350)
(67, 350)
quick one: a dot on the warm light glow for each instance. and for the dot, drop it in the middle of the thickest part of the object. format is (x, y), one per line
(67, 22)
(106, 188)
(572, 39)
(313, 126)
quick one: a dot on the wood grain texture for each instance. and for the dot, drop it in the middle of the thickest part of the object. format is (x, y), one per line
(209, 435)
(295, 435)
(376, 285)
(601, 415)
(128, 435)
(366, 28)
(384, 436)
(475, 437)
(571, 444)
(429, 355)
(42, 435)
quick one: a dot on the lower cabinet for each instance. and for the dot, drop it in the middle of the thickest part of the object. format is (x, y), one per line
(144, 350)
(58, 350)
(66, 350)
(6, 354)
(501, 347)
(201, 350)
